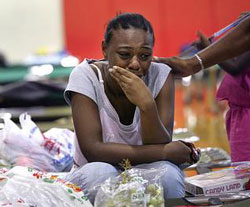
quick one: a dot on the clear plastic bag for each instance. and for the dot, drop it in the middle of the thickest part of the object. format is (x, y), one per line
(28, 146)
(135, 187)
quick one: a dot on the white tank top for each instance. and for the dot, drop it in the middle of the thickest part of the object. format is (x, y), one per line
(83, 80)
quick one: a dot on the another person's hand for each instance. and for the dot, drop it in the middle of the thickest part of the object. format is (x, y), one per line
(202, 42)
(181, 67)
(133, 87)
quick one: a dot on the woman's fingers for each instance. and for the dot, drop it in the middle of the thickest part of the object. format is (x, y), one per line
(122, 71)
(118, 77)
(121, 75)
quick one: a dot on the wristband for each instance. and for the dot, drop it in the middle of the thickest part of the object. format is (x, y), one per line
(200, 61)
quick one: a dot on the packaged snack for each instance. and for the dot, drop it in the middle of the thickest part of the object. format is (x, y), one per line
(134, 188)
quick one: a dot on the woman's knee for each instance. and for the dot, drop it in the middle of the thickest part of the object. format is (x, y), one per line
(90, 176)
(173, 181)
(95, 168)
(91, 173)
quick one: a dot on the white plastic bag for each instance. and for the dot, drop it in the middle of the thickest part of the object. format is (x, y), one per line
(27, 146)
(30, 129)
(22, 186)
(60, 144)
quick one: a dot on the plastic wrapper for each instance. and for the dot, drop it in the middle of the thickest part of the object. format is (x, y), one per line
(51, 151)
(242, 170)
(213, 154)
(23, 186)
(133, 188)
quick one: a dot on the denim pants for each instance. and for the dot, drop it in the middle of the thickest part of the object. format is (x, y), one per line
(94, 173)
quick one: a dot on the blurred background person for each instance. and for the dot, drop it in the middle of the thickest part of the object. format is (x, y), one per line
(235, 89)
(235, 86)
(3, 60)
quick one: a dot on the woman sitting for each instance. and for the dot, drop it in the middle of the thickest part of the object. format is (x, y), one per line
(123, 108)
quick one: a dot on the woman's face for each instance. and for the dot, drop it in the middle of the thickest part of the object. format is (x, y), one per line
(130, 49)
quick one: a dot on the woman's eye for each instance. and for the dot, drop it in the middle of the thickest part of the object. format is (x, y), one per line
(145, 56)
(124, 55)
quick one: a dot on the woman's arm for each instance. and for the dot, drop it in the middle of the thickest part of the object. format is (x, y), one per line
(89, 134)
(156, 127)
(233, 44)
(232, 66)
(236, 65)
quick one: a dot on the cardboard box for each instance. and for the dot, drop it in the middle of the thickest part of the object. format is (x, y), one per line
(217, 182)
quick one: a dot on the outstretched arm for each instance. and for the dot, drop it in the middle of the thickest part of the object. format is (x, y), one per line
(232, 66)
(233, 44)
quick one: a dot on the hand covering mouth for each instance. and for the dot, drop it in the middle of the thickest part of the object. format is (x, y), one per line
(139, 74)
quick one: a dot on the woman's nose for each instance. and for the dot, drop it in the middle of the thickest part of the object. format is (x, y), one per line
(134, 64)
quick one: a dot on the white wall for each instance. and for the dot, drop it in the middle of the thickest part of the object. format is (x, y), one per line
(28, 25)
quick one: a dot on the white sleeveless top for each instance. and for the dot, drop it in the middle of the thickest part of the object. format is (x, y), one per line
(83, 80)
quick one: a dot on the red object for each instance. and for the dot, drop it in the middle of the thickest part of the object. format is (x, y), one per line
(175, 21)
(247, 185)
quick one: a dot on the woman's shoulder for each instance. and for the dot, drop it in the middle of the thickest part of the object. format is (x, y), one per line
(90, 65)
(160, 67)
(79, 69)
(81, 75)
(84, 70)
(82, 80)
(83, 66)
(156, 77)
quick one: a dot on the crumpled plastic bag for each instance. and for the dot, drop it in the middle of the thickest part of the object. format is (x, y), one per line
(51, 151)
(23, 186)
(135, 187)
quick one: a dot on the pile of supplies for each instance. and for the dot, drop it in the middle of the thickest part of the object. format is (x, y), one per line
(33, 166)
(233, 179)
(51, 151)
(24, 187)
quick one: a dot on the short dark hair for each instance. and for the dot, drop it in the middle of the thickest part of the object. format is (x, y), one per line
(126, 21)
